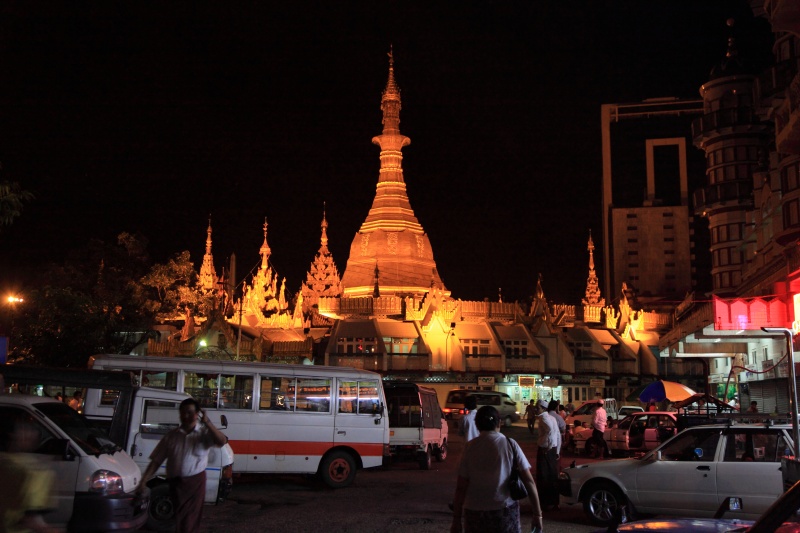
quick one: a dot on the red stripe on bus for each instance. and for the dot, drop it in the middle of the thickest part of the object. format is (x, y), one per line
(262, 447)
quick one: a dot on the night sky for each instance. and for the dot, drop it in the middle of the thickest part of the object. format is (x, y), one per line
(149, 117)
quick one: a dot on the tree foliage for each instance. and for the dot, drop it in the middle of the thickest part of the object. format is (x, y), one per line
(92, 303)
(12, 198)
(173, 288)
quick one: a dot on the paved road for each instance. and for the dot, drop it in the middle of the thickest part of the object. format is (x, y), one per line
(399, 498)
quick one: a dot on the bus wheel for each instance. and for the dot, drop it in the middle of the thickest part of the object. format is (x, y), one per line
(161, 513)
(425, 459)
(338, 470)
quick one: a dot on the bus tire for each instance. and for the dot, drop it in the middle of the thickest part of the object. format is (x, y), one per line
(161, 512)
(425, 459)
(338, 469)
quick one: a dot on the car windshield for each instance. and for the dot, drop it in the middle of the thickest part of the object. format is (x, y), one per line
(584, 409)
(91, 439)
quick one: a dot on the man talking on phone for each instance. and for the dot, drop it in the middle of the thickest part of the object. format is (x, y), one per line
(185, 449)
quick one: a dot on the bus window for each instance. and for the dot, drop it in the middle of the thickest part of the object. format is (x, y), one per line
(202, 387)
(236, 392)
(359, 397)
(277, 393)
(314, 394)
(160, 380)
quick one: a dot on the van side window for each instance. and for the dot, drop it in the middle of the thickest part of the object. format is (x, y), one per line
(359, 397)
(159, 417)
(277, 393)
(314, 394)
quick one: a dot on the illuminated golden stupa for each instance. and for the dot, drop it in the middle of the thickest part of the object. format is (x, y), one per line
(391, 253)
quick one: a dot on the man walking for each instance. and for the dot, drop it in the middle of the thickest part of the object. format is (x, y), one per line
(466, 426)
(530, 415)
(185, 449)
(547, 457)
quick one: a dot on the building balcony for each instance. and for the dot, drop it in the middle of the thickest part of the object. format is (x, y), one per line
(407, 362)
(625, 366)
(524, 364)
(774, 81)
(787, 120)
(738, 192)
(592, 366)
(484, 363)
(725, 121)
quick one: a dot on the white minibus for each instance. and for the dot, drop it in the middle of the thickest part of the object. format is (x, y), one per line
(282, 418)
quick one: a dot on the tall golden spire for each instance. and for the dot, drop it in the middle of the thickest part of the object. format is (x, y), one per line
(208, 275)
(265, 250)
(592, 286)
(391, 234)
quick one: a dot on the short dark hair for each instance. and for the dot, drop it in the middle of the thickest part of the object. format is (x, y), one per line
(471, 402)
(553, 405)
(190, 401)
(487, 418)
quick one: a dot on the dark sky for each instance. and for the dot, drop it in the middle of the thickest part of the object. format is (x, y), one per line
(148, 117)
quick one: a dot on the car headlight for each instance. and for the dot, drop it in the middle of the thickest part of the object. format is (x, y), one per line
(106, 482)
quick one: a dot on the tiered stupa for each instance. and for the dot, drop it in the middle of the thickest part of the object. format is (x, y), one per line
(391, 241)
(321, 281)
(208, 275)
(592, 302)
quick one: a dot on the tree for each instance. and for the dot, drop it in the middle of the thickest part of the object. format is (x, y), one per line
(12, 198)
(173, 288)
(93, 303)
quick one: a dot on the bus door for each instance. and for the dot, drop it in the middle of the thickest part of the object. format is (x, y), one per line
(360, 420)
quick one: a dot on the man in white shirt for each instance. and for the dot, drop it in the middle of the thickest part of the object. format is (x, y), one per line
(548, 441)
(466, 426)
(185, 449)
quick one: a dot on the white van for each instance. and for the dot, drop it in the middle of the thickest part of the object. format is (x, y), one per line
(505, 405)
(94, 479)
(135, 418)
(585, 413)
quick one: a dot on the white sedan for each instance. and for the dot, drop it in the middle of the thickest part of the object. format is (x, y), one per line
(691, 474)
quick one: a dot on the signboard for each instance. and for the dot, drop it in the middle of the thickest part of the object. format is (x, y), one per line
(527, 381)
(551, 383)
(486, 381)
(768, 368)
(597, 383)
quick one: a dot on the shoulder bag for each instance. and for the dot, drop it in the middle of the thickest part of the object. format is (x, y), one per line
(515, 485)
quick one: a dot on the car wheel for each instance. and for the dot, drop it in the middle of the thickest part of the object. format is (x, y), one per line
(603, 503)
(338, 469)
(425, 459)
(441, 452)
(507, 421)
(161, 512)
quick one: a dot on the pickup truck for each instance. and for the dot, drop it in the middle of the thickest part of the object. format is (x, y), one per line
(417, 427)
(135, 418)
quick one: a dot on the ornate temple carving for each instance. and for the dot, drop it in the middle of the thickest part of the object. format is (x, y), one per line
(322, 281)
(592, 302)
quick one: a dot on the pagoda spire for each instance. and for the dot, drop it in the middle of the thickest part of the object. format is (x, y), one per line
(592, 286)
(322, 280)
(391, 234)
(208, 275)
(265, 250)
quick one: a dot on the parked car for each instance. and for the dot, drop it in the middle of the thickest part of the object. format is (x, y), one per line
(505, 405)
(626, 410)
(417, 428)
(781, 516)
(585, 412)
(691, 474)
(639, 432)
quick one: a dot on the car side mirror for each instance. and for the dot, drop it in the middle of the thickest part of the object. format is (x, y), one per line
(67, 453)
(223, 422)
